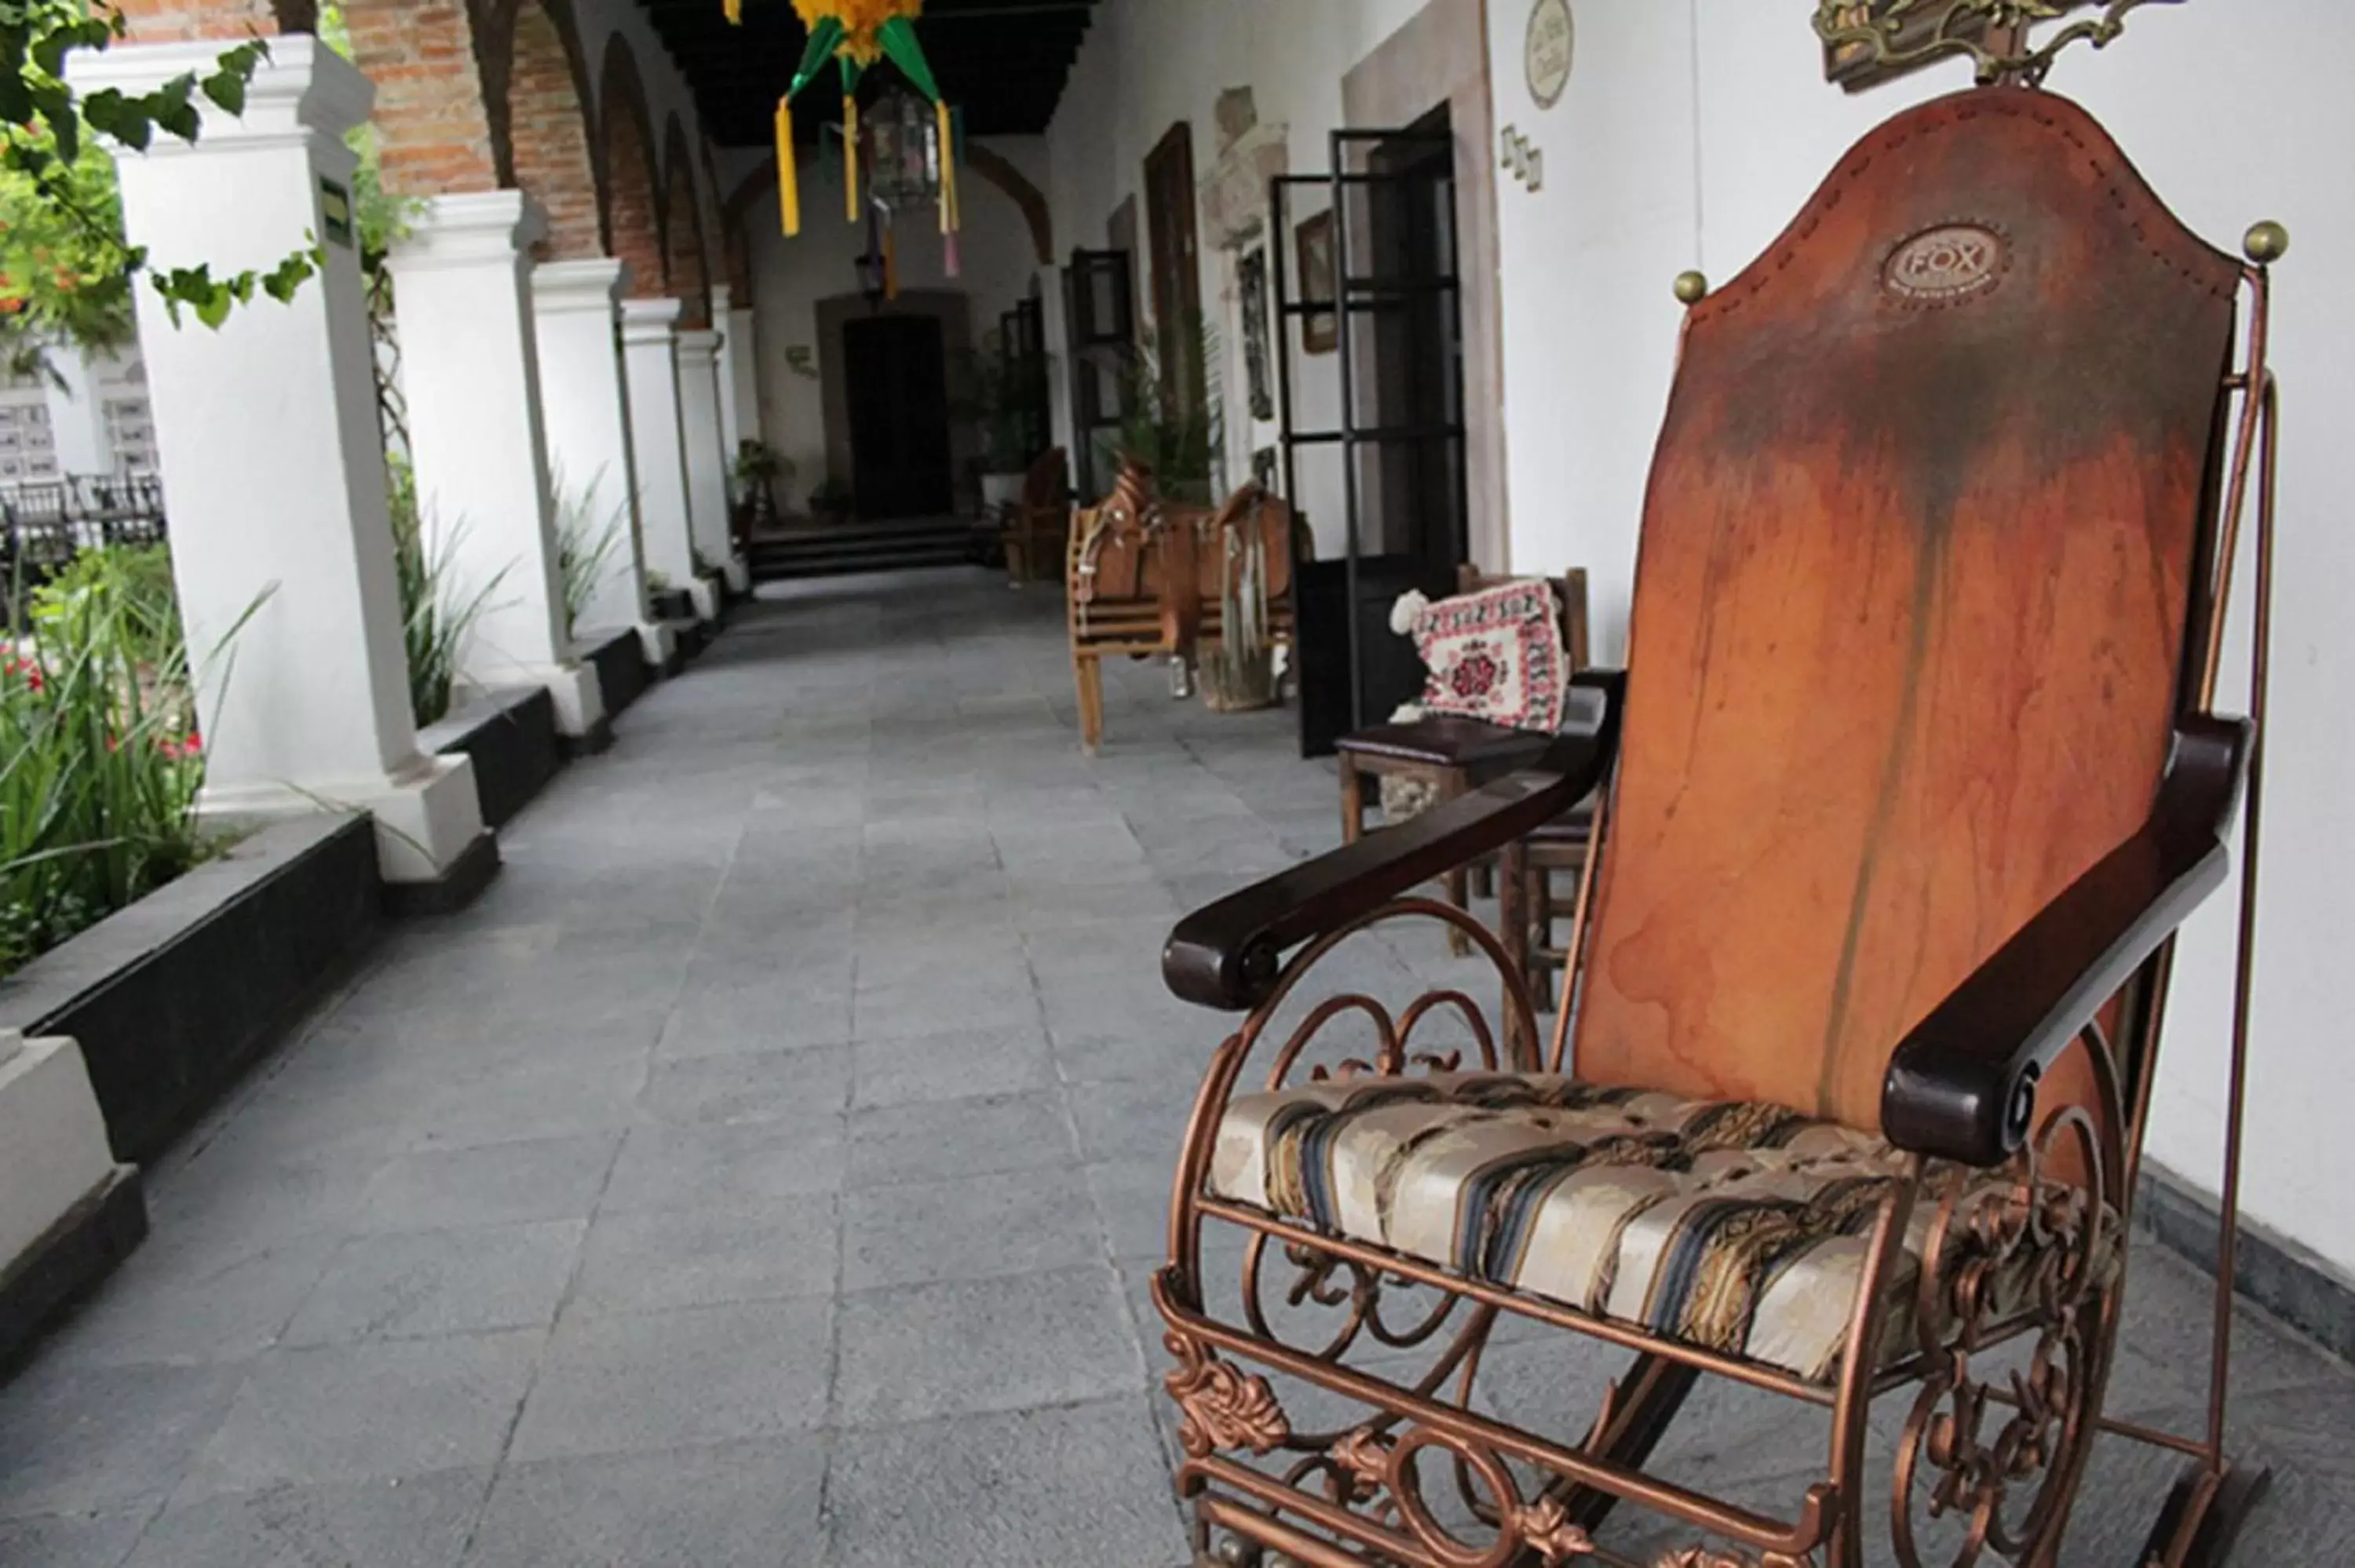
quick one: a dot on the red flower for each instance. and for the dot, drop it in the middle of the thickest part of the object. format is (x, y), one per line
(24, 667)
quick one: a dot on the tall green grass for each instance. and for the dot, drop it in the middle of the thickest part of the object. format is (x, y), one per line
(100, 757)
(586, 545)
(437, 615)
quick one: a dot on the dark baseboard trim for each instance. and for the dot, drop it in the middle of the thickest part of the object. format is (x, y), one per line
(454, 890)
(596, 743)
(2289, 1281)
(69, 1260)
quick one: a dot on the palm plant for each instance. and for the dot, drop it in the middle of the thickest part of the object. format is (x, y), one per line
(1169, 424)
(437, 616)
(585, 546)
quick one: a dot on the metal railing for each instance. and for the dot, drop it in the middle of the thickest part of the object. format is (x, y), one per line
(44, 523)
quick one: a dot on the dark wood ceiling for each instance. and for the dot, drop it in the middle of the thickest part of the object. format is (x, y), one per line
(1004, 62)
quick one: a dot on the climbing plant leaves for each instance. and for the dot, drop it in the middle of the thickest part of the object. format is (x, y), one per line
(65, 266)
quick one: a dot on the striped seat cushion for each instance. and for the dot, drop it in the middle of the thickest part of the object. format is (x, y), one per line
(1738, 1228)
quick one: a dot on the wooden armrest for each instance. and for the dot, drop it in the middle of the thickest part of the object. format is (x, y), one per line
(1962, 1085)
(1227, 955)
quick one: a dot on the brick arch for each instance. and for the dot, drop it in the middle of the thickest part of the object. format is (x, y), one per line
(626, 153)
(689, 270)
(434, 87)
(543, 116)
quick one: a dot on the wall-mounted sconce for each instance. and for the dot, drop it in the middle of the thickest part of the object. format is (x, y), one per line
(1524, 161)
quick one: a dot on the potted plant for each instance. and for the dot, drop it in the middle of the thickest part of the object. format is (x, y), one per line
(1006, 435)
(833, 502)
(1169, 431)
(758, 466)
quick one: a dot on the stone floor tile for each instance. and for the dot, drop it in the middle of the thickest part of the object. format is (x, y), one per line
(1073, 1487)
(556, 1093)
(749, 1086)
(629, 1383)
(969, 1227)
(752, 1504)
(967, 1346)
(1132, 1200)
(947, 1002)
(720, 1021)
(955, 1066)
(367, 1412)
(665, 1167)
(1133, 1119)
(76, 1439)
(497, 1183)
(658, 1260)
(189, 1306)
(419, 1522)
(927, 1140)
(99, 1540)
(418, 1284)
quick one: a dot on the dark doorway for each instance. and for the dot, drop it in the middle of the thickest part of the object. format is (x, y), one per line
(1400, 434)
(896, 371)
(1176, 275)
(1416, 495)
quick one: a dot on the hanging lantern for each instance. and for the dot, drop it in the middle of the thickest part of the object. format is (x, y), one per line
(906, 161)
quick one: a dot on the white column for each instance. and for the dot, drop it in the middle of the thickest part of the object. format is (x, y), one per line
(585, 412)
(707, 459)
(651, 366)
(470, 371)
(273, 466)
(731, 349)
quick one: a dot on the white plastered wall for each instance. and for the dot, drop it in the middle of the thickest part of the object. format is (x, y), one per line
(1148, 64)
(998, 257)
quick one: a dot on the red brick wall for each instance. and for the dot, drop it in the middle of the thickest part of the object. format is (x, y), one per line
(549, 129)
(633, 209)
(176, 21)
(474, 95)
(691, 277)
(430, 115)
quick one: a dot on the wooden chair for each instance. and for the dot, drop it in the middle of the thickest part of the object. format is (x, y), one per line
(1452, 757)
(1911, 779)
(1145, 579)
(1038, 525)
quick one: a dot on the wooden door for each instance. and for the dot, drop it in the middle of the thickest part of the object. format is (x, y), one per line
(1176, 273)
(898, 375)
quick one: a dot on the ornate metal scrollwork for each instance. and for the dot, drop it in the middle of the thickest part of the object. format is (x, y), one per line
(1896, 35)
(1712, 1557)
(1222, 1407)
(2031, 1252)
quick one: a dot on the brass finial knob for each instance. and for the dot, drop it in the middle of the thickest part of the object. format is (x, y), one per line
(2265, 243)
(1692, 287)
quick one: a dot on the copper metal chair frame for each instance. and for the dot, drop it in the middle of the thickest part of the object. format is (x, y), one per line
(1356, 1492)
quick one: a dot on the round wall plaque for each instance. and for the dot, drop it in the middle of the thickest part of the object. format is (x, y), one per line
(1548, 50)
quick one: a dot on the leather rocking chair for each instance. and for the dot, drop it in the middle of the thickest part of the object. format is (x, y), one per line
(1910, 779)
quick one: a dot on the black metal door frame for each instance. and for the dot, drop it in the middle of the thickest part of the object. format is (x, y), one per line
(1357, 297)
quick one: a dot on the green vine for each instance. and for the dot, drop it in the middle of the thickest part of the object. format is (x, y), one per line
(66, 269)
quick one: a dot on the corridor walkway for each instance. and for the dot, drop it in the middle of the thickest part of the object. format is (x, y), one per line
(766, 1170)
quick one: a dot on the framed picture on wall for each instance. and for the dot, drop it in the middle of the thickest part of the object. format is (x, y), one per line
(1320, 330)
(1250, 284)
